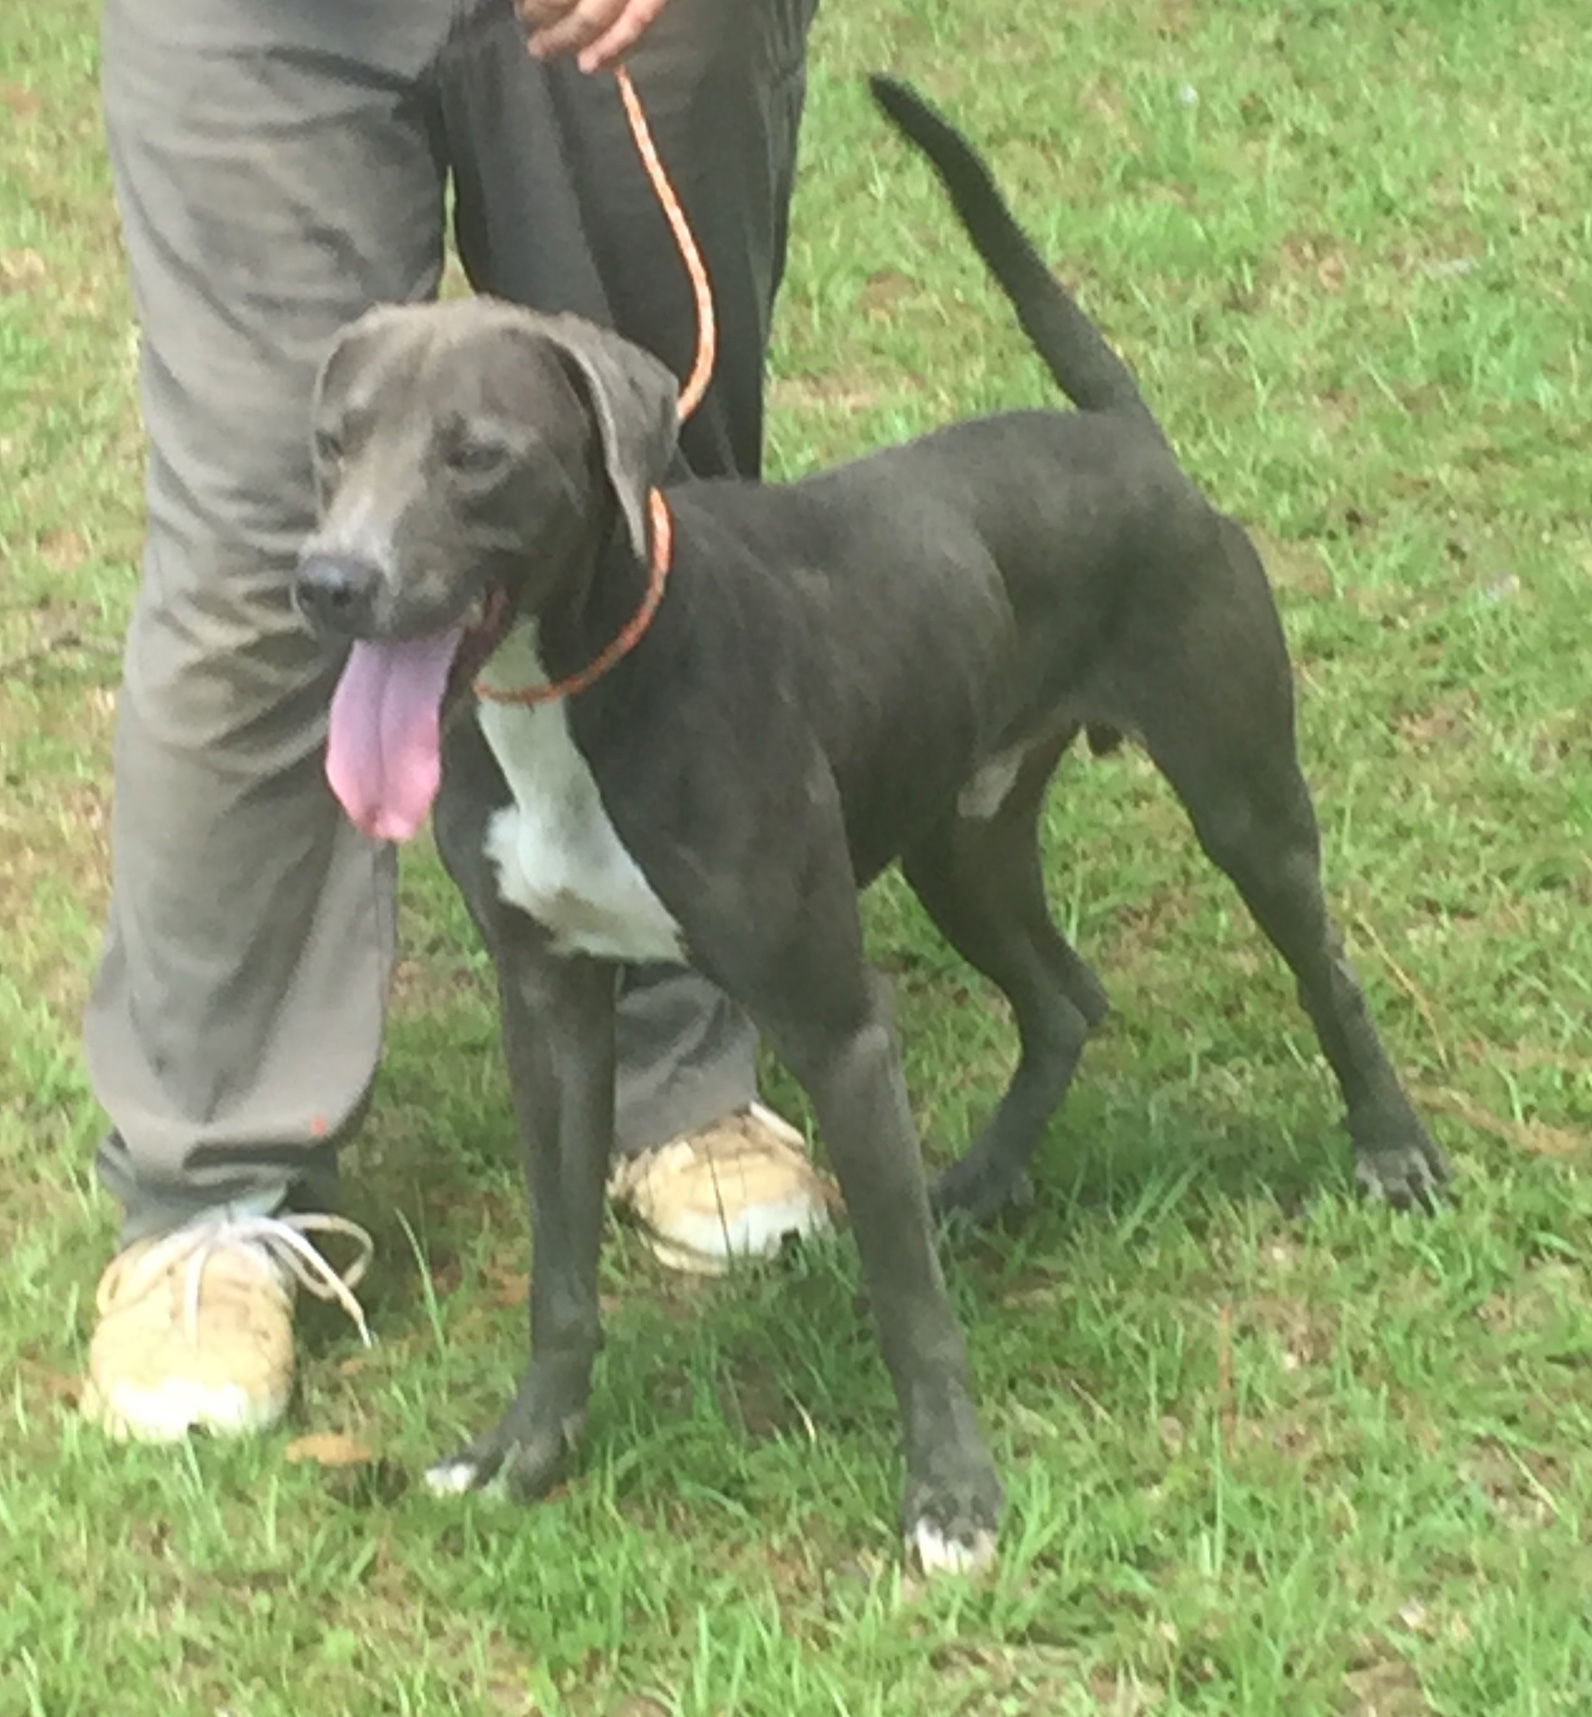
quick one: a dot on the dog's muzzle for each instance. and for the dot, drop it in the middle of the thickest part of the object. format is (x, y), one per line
(336, 593)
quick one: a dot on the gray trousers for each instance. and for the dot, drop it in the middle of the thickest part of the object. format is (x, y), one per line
(280, 165)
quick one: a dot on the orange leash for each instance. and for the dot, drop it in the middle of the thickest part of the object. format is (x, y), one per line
(690, 398)
(707, 328)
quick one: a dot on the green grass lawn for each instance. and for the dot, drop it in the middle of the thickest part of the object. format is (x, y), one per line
(1268, 1451)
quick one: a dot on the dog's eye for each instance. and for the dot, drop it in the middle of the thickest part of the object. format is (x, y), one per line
(472, 457)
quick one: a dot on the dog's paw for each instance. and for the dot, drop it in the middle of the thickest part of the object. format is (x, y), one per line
(974, 1192)
(951, 1526)
(523, 1466)
(1409, 1173)
(935, 1553)
(456, 1475)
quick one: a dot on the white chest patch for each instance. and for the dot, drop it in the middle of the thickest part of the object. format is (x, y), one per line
(558, 856)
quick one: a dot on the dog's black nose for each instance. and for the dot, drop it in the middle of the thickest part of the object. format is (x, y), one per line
(335, 592)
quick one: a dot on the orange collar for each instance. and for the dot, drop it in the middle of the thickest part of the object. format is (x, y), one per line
(627, 638)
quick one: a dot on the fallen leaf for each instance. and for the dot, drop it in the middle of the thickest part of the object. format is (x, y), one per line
(52, 1385)
(329, 1449)
(506, 1287)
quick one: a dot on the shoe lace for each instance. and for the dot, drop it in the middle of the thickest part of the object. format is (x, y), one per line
(285, 1241)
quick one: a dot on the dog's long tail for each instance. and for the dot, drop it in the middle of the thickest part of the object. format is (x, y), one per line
(1086, 369)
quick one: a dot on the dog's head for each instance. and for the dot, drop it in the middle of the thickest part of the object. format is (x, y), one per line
(460, 448)
(468, 457)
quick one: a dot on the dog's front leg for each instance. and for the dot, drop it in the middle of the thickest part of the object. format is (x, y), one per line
(848, 1061)
(558, 1036)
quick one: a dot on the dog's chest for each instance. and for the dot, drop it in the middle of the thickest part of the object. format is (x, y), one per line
(557, 855)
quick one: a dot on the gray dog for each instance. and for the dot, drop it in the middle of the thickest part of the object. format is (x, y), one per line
(882, 662)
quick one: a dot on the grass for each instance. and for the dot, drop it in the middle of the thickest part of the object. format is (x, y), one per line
(1268, 1451)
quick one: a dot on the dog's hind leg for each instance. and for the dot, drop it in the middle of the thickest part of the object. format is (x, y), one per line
(980, 879)
(1216, 713)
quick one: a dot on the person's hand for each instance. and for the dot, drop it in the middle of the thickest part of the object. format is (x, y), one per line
(597, 32)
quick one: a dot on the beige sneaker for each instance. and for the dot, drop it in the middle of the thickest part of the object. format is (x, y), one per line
(196, 1326)
(733, 1190)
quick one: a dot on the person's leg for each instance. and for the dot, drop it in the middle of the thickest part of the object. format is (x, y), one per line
(722, 83)
(555, 210)
(277, 170)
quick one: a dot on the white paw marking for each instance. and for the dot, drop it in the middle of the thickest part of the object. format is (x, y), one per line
(452, 1478)
(938, 1554)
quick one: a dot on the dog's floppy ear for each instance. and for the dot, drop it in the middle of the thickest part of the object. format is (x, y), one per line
(354, 344)
(635, 401)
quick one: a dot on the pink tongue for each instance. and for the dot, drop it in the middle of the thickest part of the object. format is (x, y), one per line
(383, 748)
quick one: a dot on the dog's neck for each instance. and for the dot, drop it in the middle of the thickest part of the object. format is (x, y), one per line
(604, 582)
